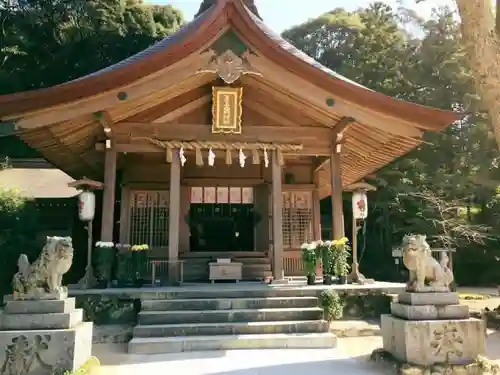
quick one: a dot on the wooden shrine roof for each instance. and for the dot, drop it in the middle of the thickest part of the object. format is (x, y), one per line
(164, 79)
(36, 179)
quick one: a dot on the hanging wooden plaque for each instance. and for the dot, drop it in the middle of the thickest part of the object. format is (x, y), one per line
(227, 110)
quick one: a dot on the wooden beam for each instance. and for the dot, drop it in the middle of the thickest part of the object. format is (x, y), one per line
(107, 123)
(322, 164)
(343, 124)
(163, 80)
(251, 133)
(184, 110)
(146, 147)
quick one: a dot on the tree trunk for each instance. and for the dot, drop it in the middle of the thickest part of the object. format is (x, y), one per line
(481, 44)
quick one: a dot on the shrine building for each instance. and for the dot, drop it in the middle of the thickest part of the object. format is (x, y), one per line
(220, 139)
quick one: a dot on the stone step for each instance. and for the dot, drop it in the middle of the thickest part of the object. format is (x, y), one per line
(227, 303)
(159, 345)
(243, 328)
(232, 290)
(224, 316)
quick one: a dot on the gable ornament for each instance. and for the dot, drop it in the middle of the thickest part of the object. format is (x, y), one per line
(229, 66)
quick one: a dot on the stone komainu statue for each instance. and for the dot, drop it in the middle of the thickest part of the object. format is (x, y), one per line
(43, 278)
(426, 274)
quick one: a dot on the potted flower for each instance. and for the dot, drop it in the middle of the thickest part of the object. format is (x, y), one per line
(309, 261)
(105, 255)
(124, 266)
(139, 260)
(340, 260)
(327, 256)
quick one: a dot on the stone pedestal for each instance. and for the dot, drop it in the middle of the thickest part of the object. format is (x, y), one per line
(47, 336)
(431, 328)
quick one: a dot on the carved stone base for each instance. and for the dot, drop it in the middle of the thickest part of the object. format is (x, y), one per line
(442, 298)
(49, 334)
(427, 342)
(429, 312)
(45, 351)
(428, 289)
(480, 366)
(27, 315)
(40, 294)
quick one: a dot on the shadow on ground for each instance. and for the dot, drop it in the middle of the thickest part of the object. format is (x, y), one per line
(236, 362)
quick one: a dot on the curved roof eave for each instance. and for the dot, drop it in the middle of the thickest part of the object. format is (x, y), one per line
(188, 39)
(301, 64)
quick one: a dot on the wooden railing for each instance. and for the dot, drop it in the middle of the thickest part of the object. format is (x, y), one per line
(292, 263)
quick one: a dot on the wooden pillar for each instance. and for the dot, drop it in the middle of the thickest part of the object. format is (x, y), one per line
(262, 234)
(125, 215)
(337, 205)
(108, 199)
(316, 210)
(277, 220)
(183, 226)
(174, 216)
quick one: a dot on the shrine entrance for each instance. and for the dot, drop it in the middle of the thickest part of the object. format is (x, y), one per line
(221, 219)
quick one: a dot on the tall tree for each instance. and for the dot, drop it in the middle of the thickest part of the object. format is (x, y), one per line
(432, 189)
(44, 43)
(481, 35)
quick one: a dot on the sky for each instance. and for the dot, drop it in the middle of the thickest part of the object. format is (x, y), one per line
(282, 14)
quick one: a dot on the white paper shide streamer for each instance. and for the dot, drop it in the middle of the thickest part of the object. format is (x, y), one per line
(182, 157)
(266, 158)
(211, 158)
(242, 158)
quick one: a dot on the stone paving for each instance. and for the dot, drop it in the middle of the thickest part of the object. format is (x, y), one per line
(236, 362)
(351, 357)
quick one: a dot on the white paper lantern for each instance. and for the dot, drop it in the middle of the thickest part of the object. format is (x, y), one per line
(86, 206)
(359, 205)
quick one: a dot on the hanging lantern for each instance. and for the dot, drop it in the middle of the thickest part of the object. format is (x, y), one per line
(86, 206)
(359, 205)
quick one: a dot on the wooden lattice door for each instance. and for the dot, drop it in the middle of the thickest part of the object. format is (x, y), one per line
(149, 213)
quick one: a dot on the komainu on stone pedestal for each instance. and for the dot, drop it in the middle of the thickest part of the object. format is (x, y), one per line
(41, 331)
(43, 278)
(426, 274)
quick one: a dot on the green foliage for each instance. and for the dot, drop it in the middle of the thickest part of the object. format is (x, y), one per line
(18, 230)
(309, 259)
(103, 310)
(327, 257)
(125, 270)
(105, 257)
(45, 43)
(90, 365)
(332, 305)
(341, 254)
(445, 188)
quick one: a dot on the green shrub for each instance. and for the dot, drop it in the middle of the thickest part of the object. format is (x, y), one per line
(332, 305)
(18, 233)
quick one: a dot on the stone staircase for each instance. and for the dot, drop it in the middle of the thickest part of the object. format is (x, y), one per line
(256, 264)
(231, 319)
